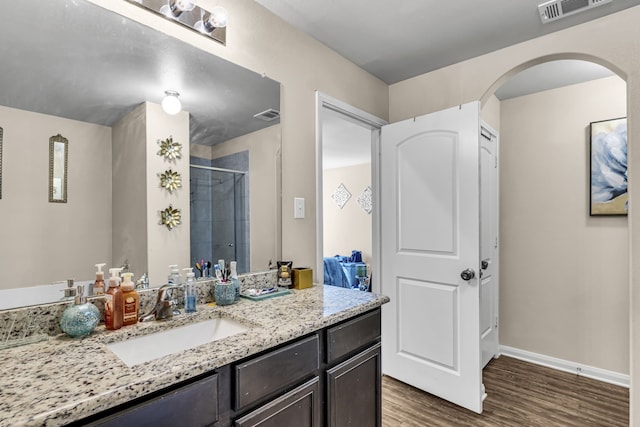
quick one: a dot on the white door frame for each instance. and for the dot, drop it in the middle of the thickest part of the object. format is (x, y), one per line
(324, 101)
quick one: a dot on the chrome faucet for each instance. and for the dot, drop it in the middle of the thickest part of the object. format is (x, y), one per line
(165, 305)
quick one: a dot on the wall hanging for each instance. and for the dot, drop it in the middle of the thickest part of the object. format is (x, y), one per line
(608, 190)
(58, 154)
(170, 217)
(170, 180)
(169, 149)
(341, 196)
(364, 200)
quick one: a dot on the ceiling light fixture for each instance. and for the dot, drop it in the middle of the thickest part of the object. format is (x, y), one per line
(170, 103)
(209, 23)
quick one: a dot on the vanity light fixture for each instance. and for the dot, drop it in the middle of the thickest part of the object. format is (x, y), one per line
(170, 103)
(211, 23)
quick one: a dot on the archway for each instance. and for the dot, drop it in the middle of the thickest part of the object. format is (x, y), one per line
(546, 242)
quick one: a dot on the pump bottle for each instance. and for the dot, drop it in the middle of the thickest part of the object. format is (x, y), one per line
(113, 302)
(174, 275)
(190, 292)
(233, 267)
(98, 286)
(81, 318)
(131, 301)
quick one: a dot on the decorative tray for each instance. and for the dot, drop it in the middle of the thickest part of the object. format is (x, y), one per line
(277, 292)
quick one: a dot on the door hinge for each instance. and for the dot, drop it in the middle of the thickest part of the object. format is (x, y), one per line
(496, 162)
(496, 327)
(496, 245)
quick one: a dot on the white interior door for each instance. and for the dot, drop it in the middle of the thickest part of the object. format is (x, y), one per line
(430, 235)
(488, 244)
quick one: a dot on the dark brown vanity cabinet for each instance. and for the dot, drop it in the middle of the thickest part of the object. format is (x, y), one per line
(329, 378)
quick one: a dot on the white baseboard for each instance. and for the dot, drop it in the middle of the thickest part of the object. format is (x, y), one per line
(567, 366)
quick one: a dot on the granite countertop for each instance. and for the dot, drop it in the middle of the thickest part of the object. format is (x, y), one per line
(64, 379)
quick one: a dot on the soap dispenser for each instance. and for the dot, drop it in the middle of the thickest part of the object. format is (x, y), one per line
(233, 267)
(98, 286)
(81, 318)
(174, 275)
(113, 302)
(190, 291)
(131, 301)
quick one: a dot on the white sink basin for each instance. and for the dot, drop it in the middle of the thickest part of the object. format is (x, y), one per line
(153, 346)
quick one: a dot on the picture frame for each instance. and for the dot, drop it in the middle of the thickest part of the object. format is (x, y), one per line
(608, 167)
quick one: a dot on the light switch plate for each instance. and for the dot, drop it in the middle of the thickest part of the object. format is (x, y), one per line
(298, 207)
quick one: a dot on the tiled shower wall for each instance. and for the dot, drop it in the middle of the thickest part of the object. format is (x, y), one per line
(220, 211)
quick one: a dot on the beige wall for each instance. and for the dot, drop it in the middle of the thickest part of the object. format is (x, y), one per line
(45, 242)
(129, 208)
(563, 274)
(617, 45)
(264, 189)
(348, 228)
(166, 247)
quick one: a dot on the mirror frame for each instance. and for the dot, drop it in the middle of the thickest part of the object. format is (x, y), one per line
(58, 139)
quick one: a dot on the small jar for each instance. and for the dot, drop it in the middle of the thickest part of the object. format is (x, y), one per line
(224, 293)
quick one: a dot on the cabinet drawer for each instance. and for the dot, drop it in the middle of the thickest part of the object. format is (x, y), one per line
(352, 335)
(195, 404)
(298, 408)
(270, 373)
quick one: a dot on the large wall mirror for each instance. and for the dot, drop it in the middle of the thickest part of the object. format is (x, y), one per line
(75, 69)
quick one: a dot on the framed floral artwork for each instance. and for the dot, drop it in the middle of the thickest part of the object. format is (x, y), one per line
(608, 189)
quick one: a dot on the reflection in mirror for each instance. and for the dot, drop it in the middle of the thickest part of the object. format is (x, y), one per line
(58, 155)
(87, 79)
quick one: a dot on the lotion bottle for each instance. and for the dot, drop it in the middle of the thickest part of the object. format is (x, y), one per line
(131, 301)
(98, 286)
(190, 292)
(113, 302)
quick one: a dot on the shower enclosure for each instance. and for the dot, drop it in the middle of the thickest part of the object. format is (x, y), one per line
(219, 215)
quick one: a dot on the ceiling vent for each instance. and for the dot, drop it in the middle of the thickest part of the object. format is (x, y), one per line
(556, 9)
(268, 115)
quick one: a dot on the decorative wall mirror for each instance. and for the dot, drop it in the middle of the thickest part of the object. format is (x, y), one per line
(0, 163)
(58, 153)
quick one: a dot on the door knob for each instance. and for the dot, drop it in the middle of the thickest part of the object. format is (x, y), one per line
(468, 274)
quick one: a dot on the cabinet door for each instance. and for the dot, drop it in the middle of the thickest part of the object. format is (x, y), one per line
(298, 408)
(354, 391)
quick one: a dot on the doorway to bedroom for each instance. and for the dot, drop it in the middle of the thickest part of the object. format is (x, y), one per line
(347, 138)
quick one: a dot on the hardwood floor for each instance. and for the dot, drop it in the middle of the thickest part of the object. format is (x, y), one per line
(519, 394)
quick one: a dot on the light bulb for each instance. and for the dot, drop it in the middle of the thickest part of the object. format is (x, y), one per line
(170, 103)
(217, 18)
(175, 8)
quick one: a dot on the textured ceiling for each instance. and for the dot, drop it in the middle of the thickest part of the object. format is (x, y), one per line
(396, 40)
(73, 59)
